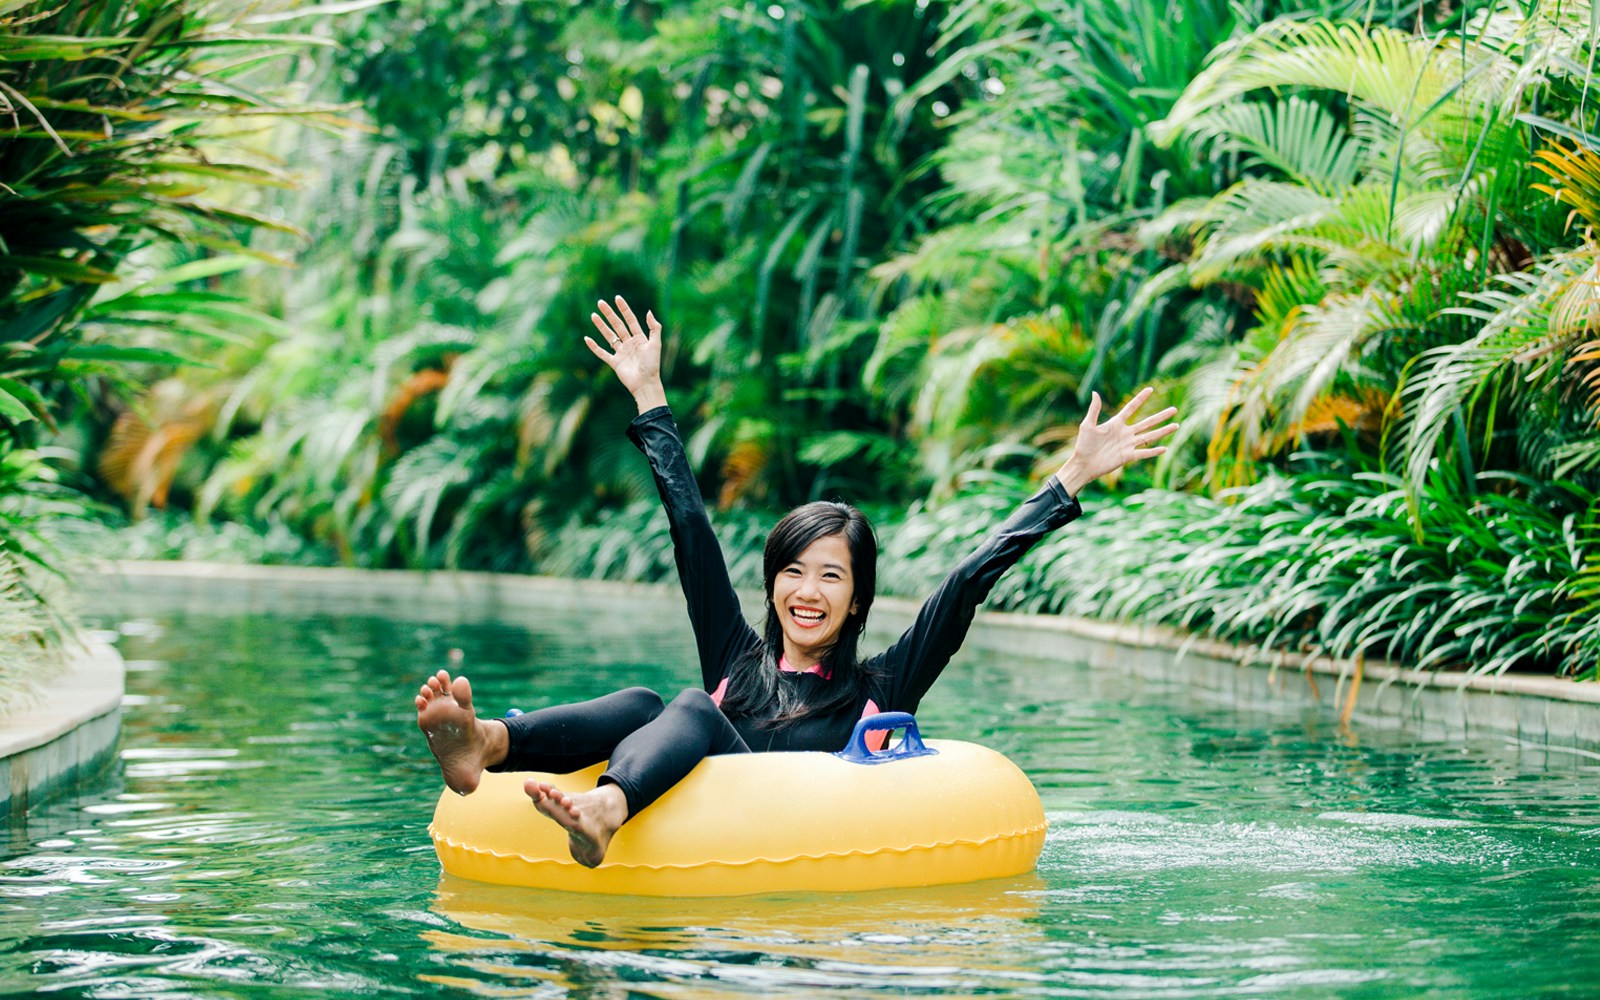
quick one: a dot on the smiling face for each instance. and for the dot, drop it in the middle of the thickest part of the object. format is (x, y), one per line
(812, 596)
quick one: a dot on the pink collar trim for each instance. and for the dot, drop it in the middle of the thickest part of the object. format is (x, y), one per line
(816, 668)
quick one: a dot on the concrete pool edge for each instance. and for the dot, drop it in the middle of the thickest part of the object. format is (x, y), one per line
(70, 731)
(1546, 710)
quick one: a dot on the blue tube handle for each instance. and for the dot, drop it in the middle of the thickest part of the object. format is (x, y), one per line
(910, 745)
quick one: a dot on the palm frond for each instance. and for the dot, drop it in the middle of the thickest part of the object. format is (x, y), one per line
(1410, 78)
(1575, 179)
(1294, 136)
(418, 484)
(1528, 321)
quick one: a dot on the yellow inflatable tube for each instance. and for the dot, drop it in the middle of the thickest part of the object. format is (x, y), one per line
(916, 814)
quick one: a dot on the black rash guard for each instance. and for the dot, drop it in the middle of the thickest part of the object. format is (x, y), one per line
(905, 670)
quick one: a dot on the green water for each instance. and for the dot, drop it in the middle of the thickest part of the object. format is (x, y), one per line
(263, 832)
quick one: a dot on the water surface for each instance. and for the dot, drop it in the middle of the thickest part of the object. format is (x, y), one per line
(263, 832)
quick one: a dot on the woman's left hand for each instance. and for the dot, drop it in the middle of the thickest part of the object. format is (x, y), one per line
(1103, 448)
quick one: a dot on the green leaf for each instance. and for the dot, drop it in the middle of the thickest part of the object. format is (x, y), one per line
(25, 392)
(12, 408)
(59, 268)
(128, 355)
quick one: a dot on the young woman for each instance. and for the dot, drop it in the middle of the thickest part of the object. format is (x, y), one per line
(799, 684)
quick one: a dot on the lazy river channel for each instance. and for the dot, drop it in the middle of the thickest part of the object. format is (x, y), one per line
(262, 832)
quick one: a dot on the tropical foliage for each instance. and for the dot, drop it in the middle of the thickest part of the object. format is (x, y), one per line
(896, 244)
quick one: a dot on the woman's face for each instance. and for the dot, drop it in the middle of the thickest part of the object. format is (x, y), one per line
(813, 596)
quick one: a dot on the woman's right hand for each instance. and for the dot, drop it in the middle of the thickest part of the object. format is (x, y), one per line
(635, 355)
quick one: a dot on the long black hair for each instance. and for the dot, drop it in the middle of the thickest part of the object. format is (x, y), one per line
(754, 684)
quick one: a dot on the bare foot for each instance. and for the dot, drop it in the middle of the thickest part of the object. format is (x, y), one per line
(590, 818)
(463, 745)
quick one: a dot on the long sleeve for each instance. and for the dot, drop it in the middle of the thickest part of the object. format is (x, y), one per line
(917, 658)
(720, 631)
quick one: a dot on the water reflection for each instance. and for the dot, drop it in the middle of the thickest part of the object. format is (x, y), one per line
(941, 939)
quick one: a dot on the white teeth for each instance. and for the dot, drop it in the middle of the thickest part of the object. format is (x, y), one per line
(810, 616)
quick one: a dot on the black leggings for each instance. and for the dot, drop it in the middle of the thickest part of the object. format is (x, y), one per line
(651, 747)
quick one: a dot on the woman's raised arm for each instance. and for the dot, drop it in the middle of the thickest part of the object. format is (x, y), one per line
(720, 630)
(915, 661)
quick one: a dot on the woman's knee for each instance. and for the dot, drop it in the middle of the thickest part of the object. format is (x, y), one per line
(641, 702)
(695, 701)
(705, 717)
